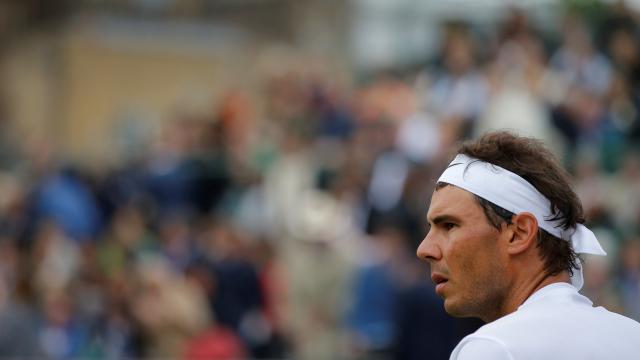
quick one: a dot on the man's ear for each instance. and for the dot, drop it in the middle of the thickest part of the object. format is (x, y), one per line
(524, 228)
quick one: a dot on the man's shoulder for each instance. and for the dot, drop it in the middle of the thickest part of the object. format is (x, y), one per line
(481, 347)
(545, 336)
(560, 317)
(584, 329)
(618, 322)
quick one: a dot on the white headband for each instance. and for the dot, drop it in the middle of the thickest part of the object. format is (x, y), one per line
(515, 194)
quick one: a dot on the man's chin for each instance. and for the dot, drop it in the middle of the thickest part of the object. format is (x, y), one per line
(453, 309)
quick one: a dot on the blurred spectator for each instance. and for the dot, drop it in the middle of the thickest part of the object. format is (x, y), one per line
(591, 187)
(597, 272)
(376, 286)
(459, 91)
(19, 325)
(419, 138)
(168, 174)
(424, 329)
(519, 87)
(55, 259)
(587, 73)
(578, 61)
(216, 343)
(234, 290)
(126, 242)
(175, 240)
(620, 35)
(169, 309)
(317, 277)
(630, 277)
(62, 335)
(212, 176)
(64, 198)
(623, 194)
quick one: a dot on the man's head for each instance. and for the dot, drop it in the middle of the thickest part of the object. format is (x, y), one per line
(479, 247)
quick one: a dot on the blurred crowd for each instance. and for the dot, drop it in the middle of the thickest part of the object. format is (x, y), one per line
(287, 227)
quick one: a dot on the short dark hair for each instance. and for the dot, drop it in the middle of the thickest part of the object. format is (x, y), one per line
(532, 161)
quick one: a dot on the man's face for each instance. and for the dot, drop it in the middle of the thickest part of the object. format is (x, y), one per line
(463, 249)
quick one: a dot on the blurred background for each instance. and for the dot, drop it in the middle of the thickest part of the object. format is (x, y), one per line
(230, 179)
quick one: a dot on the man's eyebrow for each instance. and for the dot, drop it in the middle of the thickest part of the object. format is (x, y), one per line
(442, 219)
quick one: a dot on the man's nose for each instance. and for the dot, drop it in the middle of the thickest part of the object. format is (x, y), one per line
(428, 248)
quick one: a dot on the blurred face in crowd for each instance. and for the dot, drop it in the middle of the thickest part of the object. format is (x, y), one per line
(631, 256)
(623, 48)
(458, 53)
(463, 250)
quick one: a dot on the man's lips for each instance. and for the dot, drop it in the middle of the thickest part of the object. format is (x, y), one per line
(440, 281)
(438, 278)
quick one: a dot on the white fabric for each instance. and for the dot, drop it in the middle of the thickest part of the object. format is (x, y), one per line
(419, 137)
(390, 171)
(556, 322)
(513, 193)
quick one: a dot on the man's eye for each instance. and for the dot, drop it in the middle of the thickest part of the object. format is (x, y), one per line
(448, 225)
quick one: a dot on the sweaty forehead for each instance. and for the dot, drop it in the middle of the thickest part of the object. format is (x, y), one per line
(453, 201)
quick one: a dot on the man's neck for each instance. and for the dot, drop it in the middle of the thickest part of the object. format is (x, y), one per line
(524, 289)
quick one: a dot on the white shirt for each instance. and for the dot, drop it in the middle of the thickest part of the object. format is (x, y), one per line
(556, 322)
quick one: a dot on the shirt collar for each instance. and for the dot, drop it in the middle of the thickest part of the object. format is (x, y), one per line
(556, 292)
